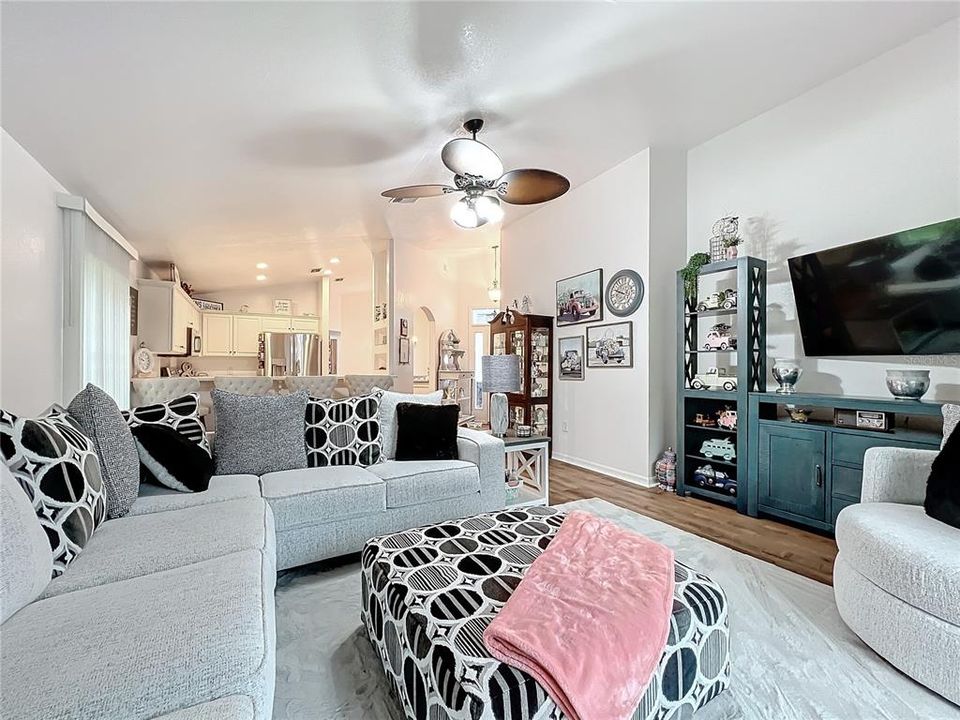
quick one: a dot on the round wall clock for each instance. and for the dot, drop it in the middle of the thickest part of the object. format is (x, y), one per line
(624, 293)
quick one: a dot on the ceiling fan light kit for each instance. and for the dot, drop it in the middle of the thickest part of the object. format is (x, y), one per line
(478, 174)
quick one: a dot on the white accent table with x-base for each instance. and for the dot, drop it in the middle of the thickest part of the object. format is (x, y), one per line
(529, 459)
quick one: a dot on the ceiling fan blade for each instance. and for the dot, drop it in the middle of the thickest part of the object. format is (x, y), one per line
(529, 186)
(418, 191)
(471, 157)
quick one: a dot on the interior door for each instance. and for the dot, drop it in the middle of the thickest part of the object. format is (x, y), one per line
(217, 334)
(792, 472)
(246, 335)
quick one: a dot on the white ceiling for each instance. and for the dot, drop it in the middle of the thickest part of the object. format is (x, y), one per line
(219, 134)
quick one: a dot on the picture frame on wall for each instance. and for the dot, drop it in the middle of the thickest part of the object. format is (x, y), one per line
(207, 304)
(404, 351)
(570, 357)
(610, 345)
(282, 306)
(580, 298)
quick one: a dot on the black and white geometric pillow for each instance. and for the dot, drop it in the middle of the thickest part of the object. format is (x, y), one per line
(182, 414)
(58, 467)
(343, 432)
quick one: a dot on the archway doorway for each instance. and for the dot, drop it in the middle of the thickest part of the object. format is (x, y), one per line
(423, 348)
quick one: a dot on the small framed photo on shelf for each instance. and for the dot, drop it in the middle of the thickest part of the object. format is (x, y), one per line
(404, 351)
(570, 356)
(404, 327)
(610, 345)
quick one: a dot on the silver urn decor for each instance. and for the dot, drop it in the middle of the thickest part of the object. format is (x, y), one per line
(787, 373)
(908, 384)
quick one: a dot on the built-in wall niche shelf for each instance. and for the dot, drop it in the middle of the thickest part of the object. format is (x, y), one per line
(746, 364)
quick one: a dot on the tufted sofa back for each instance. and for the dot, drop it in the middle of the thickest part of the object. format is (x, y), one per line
(363, 384)
(245, 385)
(316, 386)
(149, 391)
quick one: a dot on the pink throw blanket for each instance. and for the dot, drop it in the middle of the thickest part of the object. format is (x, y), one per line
(590, 619)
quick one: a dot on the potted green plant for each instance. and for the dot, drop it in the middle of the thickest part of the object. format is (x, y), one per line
(691, 272)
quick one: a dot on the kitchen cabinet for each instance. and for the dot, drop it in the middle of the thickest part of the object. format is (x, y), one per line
(305, 324)
(167, 317)
(246, 335)
(288, 323)
(217, 334)
(277, 324)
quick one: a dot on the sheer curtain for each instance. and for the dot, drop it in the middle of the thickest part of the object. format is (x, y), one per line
(96, 310)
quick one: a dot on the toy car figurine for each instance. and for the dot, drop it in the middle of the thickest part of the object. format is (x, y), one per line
(707, 476)
(609, 349)
(714, 379)
(727, 419)
(704, 420)
(721, 448)
(720, 341)
(723, 300)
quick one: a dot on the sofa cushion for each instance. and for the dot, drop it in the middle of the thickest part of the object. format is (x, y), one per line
(388, 416)
(901, 550)
(318, 495)
(154, 498)
(101, 421)
(26, 563)
(139, 545)
(421, 481)
(181, 413)
(58, 468)
(146, 646)
(951, 420)
(942, 501)
(343, 432)
(427, 432)
(259, 434)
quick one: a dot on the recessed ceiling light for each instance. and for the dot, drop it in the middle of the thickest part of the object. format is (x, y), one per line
(334, 260)
(261, 278)
(262, 266)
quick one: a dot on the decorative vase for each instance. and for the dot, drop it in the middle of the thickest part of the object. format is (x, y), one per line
(499, 414)
(787, 373)
(908, 384)
(732, 252)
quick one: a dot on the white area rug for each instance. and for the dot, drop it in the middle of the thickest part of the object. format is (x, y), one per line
(792, 656)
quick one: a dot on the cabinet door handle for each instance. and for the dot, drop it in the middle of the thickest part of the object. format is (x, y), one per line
(819, 476)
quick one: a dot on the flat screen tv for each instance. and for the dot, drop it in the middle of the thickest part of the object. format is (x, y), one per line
(893, 295)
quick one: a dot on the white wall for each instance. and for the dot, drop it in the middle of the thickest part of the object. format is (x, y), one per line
(355, 323)
(602, 422)
(260, 298)
(31, 307)
(871, 152)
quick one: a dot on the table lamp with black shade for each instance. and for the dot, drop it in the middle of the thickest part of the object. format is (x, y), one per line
(501, 374)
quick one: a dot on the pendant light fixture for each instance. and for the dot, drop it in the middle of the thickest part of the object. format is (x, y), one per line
(493, 292)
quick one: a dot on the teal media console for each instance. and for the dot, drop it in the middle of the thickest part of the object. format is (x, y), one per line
(808, 472)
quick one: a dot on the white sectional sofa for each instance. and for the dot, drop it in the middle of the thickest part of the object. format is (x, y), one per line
(169, 612)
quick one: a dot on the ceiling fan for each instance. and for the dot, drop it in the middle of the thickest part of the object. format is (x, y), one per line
(478, 174)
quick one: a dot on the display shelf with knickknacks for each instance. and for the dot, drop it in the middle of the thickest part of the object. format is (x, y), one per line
(531, 338)
(712, 399)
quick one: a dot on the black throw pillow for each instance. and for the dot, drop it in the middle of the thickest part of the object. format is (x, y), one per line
(943, 486)
(169, 458)
(427, 432)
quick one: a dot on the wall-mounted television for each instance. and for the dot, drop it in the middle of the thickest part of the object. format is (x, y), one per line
(893, 295)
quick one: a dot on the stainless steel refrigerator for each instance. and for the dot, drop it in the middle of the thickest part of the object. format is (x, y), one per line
(289, 354)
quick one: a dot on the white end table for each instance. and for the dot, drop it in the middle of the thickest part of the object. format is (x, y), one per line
(529, 459)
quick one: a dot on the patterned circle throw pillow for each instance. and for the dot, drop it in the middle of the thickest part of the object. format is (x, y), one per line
(57, 466)
(182, 414)
(343, 432)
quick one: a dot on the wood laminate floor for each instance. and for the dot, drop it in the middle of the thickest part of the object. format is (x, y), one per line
(800, 551)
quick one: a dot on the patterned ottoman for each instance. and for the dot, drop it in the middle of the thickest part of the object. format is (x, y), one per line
(428, 594)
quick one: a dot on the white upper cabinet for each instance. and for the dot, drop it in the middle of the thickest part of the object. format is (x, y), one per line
(217, 336)
(277, 323)
(165, 312)
(305, 324)
(246, 335)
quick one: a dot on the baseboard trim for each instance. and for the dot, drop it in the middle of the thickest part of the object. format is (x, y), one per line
(629, 477)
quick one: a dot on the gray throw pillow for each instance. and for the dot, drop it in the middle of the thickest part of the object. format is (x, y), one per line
(259, 434)
(388, 416)
(102, 422)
